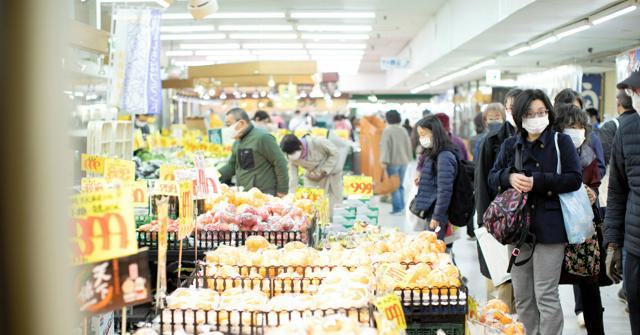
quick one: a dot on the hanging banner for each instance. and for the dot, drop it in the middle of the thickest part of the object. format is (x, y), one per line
(103, 226)
(135, 85)
(186, 209)
(592, 91)
(110, 285)
(92, 163)
(119, 169)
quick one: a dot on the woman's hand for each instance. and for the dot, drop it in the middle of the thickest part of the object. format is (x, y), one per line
(434, 224)
(592, 195)
(521, 182)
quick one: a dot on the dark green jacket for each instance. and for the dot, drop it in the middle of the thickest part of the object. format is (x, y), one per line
(257, 161)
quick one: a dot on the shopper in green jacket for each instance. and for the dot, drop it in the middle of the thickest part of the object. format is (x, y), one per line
(256, 159)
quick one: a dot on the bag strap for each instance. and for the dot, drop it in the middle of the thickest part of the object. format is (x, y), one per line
(559, 166)
(617, 123)
(518, 159)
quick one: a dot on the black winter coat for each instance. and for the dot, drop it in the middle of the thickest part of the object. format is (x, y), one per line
(608, 132)
(622, 222)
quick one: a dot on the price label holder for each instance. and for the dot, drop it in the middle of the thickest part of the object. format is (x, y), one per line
(390, 316)
(358, 186)
(312, 193)
(92, 164)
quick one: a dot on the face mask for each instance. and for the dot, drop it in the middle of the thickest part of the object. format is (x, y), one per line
(494, 125)
(425, 142)
(511, 120)
(577, 136)
(635, 100)
(295, 156)
(229, 134)
(535, 125)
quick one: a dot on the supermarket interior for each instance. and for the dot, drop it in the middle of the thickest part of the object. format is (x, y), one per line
(353, 167)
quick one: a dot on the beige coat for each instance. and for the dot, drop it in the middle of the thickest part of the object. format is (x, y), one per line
(322, 156)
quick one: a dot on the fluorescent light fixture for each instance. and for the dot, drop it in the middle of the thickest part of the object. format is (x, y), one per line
(420, 88)
(335, 36)
(239, 15)
(336, 52)
(184, 37)
(222, 52)
(192, 63)
(185, 29)
(337, 58)
(573, 29)
(334, 46)
(333, 15)
(519, 50)
(240, 58)
(283, 57)
(272, 46)
(260, 36)
(279, 52)
(334, 28)
(179, 53)
(350, 67)
(164, 3)
(213, 46)
(613, 12)
(255, 27)
(463, 72)
(544, 41)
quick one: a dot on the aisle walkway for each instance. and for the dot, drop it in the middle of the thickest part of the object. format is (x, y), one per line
(616, 321)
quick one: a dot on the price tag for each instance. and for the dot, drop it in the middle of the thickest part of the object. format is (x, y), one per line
(361, 186)
(320, 132)
(186, 209)
(342, 133)
(391, 316)
(311, 193)
(167, 171)
(103, 226)
(168, 188)
(119, 169)
(140, 193)
(92, 163)
(92, 184)
(163, 220)
(201, 190)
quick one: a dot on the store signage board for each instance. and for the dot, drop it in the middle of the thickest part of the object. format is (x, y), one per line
(119, 169)
(186, 209)
(358, 186)
(311, 193)
(391, 319)
(112, 284)
(390, 63)
(103, 226)
(92, 163)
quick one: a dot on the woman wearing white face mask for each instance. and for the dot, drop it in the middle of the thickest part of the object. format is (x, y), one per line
(535, 282)
(574, 122)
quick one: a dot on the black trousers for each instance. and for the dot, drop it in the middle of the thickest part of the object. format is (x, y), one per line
(632, 286)
(589, 302)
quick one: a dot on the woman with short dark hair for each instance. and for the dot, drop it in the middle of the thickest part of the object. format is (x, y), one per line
(535, 282)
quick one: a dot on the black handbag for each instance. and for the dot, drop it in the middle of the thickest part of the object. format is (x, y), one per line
(422, 214)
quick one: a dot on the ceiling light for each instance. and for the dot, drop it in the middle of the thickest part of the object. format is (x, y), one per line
(178, 37)
(333, 15)
(279, 52)
(283, 57)
(372, 98)
(255, 95)
(519, 50)
(271, 82)
(573, 29)
(336, 46)
(613, 12)
(463, 72)
(264, 93)
(192, 63)
(420, 88)
(335, 36)
(246, 15)
(303, 94)
(200, 9)
(223, 95)
(337, 58)
(334, 28)
(185, 29)
(178, 53)
(233, 58)
(213, 46)
(336, 52)
(222, 52)
(544, 41)
(260, 36)
(274, 27)
(164, 3)
(337, 94)
(272, 46)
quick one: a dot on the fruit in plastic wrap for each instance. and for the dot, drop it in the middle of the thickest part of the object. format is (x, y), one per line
(255, 243)
(497, 304)
(248, 221)
(230, 218)
(247, 209)
(263, 213)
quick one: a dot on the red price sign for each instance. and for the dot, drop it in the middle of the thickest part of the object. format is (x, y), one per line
(358, 186)
(186, 209)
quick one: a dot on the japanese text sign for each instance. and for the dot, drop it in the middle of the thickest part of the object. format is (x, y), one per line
(119, 169)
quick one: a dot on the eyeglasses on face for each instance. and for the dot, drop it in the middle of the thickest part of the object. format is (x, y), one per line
(536, 113)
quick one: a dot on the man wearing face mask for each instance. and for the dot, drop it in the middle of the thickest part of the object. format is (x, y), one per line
(321, 160)
(487, 153)
(622, 221)
(256, 159)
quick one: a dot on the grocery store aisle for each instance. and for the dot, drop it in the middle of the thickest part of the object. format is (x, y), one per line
(616, 320)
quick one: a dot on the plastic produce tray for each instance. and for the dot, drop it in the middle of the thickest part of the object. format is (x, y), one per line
(433, 300)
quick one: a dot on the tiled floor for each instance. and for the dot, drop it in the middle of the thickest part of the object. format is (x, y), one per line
(616, 320)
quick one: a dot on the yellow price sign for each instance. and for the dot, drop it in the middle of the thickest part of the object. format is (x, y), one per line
(167, 171)
(311, 193)
(119, 169)
(391, 313)
(92, 184)
(140, 193)
(342, 133)
(92, 163)
(301, 133)
(165, 187)
(103, 226)
(186, 209)
(320, 132)
(358, 186)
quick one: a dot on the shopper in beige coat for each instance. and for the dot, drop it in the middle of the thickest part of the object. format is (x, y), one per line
(320, 159)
